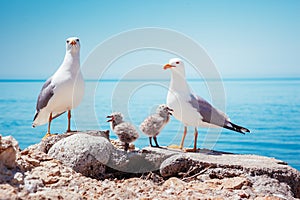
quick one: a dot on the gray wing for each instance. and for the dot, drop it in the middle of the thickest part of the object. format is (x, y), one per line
(45, 95)
(208, 112)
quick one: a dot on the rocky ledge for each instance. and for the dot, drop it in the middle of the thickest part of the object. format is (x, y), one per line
(87, 165)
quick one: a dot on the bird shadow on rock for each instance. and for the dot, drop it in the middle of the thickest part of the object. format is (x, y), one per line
(134, 161)
(212, 152)
(148, 159)
(199, 150)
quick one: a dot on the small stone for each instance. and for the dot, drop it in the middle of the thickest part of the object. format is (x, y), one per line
(8, 156)
(120, 145)
(54, 172)
(244, 194)
(174, 184)
(50, 180)
(174, 165)
(7, 191)
(25, 152)
(32, 185)
(215, 184)
(53, 164)
(234, 183)
(18, 178)
(264, 197)
(33, 162)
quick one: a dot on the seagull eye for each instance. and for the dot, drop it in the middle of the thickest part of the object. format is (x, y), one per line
(68, 41)
(177, 62)
(77, 40)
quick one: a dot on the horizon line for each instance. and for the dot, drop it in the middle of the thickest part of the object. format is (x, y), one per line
(151, 79)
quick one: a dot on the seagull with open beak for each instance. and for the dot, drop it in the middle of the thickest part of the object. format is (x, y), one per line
(125, 131)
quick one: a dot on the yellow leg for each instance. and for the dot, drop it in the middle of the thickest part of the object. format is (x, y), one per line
(183, 138)
(49, 124)
(182, 141)
(195, 142)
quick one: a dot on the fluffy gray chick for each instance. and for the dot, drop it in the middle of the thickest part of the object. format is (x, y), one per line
(125, 131)
(153, 124)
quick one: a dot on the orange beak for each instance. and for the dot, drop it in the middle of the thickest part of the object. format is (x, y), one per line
(73, 42)
(167, 66)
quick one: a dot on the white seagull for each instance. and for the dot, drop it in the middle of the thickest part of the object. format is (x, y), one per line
(154, 123)
(190, 109)
(63, 91)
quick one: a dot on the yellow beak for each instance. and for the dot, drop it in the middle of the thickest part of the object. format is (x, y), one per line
(167, 66)
(73, 42)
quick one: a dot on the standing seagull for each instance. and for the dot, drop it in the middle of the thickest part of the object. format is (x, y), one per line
(63, 91)
(190, 109)
(124, 130)
(153, 124)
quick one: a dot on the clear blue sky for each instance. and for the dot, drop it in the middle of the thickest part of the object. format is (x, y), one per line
(244, 38)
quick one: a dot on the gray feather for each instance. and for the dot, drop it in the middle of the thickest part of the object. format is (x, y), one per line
(152, 125)
(126, 132)
(44, 96)
(213, 116)
(208, 112)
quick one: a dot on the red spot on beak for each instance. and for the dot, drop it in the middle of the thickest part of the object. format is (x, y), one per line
(73, 42)
(167, 66)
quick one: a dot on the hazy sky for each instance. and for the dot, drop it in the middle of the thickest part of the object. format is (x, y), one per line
(243, 38)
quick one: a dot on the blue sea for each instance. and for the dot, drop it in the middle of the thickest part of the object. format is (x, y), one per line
(270, 108)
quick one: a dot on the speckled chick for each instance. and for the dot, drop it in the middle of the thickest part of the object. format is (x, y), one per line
(125, 131)
(153, 124)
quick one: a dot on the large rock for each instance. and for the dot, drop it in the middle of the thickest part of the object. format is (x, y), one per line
(84, 153)
(9, 148)
(208, 165)
(141, 161)
(48, 142)
(175, 164)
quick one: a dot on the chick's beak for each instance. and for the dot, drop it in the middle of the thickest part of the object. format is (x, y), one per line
(73, 42)
(171, 110)
(111, 118)
(167, 66)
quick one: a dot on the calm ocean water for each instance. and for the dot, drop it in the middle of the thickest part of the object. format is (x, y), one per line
(269, 108)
